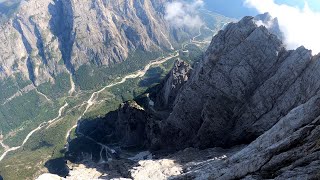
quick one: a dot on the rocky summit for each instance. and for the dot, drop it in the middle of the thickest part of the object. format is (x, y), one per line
(250, 109)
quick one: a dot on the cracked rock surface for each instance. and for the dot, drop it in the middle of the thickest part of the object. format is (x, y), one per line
(249, 110)
(250, 90)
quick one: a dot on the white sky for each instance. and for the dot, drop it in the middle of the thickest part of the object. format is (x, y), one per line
(182, 13)
(301, 26)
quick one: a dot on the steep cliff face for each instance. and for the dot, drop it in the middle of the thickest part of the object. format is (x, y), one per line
(288, 150)
(172, 84)
(131, 125)
(250, 88)
(246, 83)
(48, 37)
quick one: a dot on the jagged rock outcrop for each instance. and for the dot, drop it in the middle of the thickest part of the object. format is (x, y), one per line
(131, 125)
(45, 38)
(125, 127)
(272, 24)
(289, 150)
(246, 83)
(250, 88)
(250, 95)
(172, 84)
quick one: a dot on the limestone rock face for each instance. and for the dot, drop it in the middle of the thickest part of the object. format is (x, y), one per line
(289, 150)
(246, 83)
(250, 90)
(172, 84)
(45, 38)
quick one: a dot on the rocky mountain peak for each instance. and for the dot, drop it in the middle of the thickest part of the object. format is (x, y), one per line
(236, 64)
(272, 24)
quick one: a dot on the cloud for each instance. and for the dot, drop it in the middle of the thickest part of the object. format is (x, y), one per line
(180, 13)
(300, 25)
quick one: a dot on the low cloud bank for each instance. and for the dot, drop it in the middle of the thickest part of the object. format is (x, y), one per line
(181, 13)
(300, 25)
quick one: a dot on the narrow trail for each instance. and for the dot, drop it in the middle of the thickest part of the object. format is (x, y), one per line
(73, 86)
(20, 92)
(10, 149)
(199, 43)
(17, 94)
(43, 95)
(51, 122)
(5, 147)
(193, 39)
(206, 27)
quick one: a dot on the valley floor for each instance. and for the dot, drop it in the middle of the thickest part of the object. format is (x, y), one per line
(44, 143)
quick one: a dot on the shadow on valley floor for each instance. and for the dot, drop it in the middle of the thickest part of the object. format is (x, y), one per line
(96, 143)
(41, 144)
(100, 151)
(152, 77)
(105, 144)
(57, 166)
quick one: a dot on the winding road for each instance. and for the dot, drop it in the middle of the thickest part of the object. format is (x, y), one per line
(139, 73)
(8, 149)
(93, 98)
(89, 103)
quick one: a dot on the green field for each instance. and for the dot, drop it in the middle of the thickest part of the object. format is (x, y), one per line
(48, 144)
(29, 162)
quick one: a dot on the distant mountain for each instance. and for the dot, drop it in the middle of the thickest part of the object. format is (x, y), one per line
(44, 39)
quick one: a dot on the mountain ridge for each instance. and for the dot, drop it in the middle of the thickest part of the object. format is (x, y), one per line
(47, 32)
(249, 95)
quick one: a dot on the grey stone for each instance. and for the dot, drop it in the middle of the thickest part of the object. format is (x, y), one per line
(45, 38)
(172, 84)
